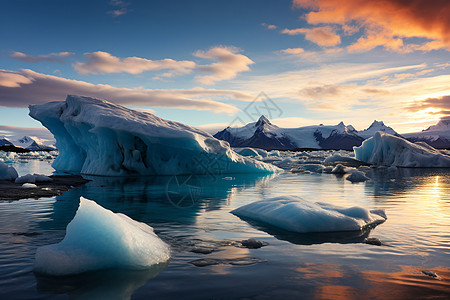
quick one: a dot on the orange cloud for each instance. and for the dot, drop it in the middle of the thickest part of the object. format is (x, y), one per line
(101, 62)
(322, 36)
(292, 51)
(386, 21)
(229, 64)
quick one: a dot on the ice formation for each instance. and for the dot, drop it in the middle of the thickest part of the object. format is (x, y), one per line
(29, 186)
(388, 150)
(33, 178)
(101, 138)
(357, 176)
(6, 172)
(97, 239)
(295, 214)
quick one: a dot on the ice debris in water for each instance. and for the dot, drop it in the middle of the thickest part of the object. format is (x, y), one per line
(33, 178)
(295, 214)
(357, 176)
(97, 239)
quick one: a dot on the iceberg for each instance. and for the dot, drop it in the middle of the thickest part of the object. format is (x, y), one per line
(357, 176)
(295, 214)
(99, 239)
(388, 150)
(97, 137)
(6, 172)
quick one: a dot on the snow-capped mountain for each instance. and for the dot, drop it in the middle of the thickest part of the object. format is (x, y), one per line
(5, 142)
(437, 136)
(374, 127)
(263, 134)
(32, 143)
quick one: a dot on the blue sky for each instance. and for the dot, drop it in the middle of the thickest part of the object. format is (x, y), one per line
(203, 62)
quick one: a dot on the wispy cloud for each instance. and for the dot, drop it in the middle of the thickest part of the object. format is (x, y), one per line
(324, 36)
(52, 57)
(229, 64)
(101, 62)
(120, 8)
(269, 26)
(387, 23)
(292, 51)
(16, 132)
(24, 87)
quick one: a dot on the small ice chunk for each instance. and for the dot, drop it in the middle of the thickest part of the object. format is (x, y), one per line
(357, 176)
(29, 186)
(295, 214)
(97, 239)
(339, 169)
(431, 274)
(247, 152)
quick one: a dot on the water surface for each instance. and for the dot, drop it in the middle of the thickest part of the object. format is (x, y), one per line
(195, 211)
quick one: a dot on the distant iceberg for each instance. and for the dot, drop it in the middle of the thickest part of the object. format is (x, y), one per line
(98, 239)
(388, 150)
(295, 214)
(101, 138)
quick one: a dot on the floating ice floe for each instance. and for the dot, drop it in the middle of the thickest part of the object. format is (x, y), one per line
(295, 214)
(7, 172)
(29, 186)
(101, 138)
(388, 150)
(97, 239)
(357, 176)
(33, 178)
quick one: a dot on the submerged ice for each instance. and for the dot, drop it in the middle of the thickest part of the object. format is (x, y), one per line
(295, 214)
(388, 150)
(101, 138)
(97, 239)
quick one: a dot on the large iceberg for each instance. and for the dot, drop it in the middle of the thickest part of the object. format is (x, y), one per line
(388, 150)
(101, 138)
(295, 214)
(98, 239)
(7, 172)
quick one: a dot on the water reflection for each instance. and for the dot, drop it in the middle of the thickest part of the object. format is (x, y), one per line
(343, 237)
(154, 199)
(105, 284)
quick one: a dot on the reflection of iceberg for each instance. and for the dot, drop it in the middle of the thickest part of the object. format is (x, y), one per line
(294, 214)
(385, 149)
(100, 138)
(341, 237)
(106, 284)
(98, 239)
(153, 199)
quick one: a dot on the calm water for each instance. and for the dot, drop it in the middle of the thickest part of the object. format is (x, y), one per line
(195, 211)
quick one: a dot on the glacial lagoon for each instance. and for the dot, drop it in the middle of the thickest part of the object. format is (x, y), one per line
(193, 212)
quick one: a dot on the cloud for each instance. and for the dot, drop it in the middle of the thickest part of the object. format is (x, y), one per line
(269, 26)
(52, 57)
(24, 87)
(229, 64)
(391, 21)
(121, 8)
(101, 62)
(293, 51)
(323, 36)
(16, 132)
(441, 104)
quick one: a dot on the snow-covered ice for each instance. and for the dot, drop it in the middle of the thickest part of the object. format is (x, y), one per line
(97, 239)
(388, 150)
(33, 178)
(7, 172)
(295, 214)
(29, 186)
(101, 138)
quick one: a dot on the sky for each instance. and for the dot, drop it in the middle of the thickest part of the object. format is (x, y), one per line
(215, 63)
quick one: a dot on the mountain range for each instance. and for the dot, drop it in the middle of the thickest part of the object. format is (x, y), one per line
(265, 135)
(26, 142)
